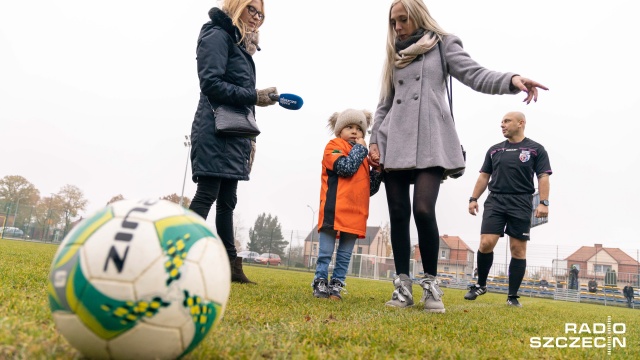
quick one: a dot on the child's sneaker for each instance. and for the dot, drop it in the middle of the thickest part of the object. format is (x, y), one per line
(403, 294)
(432, 295)
(335, 287)
(320, 289)
(512, 300)
(475, 290)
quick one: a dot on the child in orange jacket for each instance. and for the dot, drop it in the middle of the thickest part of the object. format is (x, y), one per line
(347, 183)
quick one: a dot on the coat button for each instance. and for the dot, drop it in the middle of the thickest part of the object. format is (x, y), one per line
(417, 77)
(415, 97)
(399, 101)
(400, 82)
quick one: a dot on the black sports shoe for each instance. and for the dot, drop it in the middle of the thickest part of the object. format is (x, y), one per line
(475, 290)
(335, 287)
(513, 301)
(320, 289)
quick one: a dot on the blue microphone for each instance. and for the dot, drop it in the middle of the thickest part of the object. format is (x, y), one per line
(287, 101)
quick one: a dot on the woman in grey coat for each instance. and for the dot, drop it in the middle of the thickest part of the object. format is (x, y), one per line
(414, 138)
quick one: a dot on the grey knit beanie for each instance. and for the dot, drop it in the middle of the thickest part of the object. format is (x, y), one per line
(340, 120)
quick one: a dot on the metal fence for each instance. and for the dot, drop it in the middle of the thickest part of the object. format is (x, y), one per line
(32, 226)
(555, 287)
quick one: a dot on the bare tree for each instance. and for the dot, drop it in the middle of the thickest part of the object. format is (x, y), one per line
(71, 201)
(115, 198)
(175, 198)
(18, 196)
(47, 214)
(385, 238)
(238, 227)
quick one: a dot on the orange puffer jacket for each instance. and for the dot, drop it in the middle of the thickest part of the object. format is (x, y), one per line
(344, 201)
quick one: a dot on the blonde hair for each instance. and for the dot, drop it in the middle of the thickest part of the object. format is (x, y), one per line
(419, 15)
(234, 9)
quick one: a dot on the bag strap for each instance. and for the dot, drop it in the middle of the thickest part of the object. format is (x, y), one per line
(448, 84)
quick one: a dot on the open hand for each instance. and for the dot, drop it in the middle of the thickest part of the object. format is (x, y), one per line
(529, 86)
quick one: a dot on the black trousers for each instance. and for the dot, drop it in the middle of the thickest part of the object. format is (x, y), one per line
(223, 193)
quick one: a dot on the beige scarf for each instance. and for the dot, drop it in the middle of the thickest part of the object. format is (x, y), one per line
(406, 56)
(251, 41)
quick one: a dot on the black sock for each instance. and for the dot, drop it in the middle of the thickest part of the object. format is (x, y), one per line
(517, 268)
(485, 261)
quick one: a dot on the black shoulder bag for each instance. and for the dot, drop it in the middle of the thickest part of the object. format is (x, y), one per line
(449, 86)
(235, 121)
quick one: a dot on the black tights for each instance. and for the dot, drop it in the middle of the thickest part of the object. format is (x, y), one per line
(425, 195)
(209, 190)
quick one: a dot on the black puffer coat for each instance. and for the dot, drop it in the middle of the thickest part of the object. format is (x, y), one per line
(227, 76)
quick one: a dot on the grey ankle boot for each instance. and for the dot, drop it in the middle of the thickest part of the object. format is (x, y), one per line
(403, 294)
(432, 296)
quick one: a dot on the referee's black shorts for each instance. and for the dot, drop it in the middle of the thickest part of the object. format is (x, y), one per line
(507, 213)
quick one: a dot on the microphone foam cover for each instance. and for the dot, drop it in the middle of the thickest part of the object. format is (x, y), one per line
(290, 101)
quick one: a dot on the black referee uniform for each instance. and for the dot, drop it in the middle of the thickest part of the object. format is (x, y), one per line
(509, 204)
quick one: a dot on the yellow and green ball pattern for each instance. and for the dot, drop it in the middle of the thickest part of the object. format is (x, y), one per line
(70, 290)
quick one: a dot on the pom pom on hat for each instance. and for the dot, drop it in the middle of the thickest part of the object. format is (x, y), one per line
(340, 120)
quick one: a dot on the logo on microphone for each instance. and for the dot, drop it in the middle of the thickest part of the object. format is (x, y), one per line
(289, 101)
(284, 101)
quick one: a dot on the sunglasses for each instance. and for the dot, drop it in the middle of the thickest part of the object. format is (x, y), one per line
(253, 12)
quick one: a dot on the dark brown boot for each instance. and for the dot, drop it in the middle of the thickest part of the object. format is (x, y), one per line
(237, 275)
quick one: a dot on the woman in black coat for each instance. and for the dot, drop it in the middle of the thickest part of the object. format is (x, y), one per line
(227, 76)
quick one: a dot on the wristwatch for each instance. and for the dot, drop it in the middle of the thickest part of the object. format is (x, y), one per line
(544, 202)
(472, 199)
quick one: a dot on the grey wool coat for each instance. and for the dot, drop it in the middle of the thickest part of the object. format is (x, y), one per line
(413, 126)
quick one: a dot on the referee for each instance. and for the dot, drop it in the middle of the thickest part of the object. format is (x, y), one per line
(508, 170)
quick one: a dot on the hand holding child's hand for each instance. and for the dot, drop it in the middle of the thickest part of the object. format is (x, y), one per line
(374, 155)
(361, 142)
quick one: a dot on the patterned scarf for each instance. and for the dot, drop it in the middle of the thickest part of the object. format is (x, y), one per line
(251, 41)
(416, 44)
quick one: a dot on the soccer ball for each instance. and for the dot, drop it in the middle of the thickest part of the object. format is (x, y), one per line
(143, 279)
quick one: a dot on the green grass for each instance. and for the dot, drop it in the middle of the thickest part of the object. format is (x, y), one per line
(280, 319)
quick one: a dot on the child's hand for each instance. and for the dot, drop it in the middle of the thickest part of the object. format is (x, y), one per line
(361, 142)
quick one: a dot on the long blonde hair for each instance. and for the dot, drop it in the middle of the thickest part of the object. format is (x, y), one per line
(419, 15)
(234, 9)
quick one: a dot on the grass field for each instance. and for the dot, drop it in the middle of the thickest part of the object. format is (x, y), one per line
(280, 319)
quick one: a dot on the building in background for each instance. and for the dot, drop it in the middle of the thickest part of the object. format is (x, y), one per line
(594, 262)
(376, 243)
(455, 257)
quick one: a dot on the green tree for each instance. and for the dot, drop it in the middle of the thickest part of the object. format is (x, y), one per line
(266, 236)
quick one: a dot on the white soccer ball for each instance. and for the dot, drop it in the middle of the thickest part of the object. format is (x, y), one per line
(140, 279)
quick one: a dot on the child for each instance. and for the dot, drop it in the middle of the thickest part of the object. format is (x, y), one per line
(347, 184)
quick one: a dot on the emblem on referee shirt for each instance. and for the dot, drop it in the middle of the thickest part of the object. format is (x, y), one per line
(525, 156)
